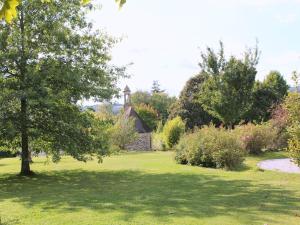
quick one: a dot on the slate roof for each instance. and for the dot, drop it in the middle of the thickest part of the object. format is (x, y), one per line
(140, 125)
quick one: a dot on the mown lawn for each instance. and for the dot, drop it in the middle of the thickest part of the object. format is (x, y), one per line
(146, 188)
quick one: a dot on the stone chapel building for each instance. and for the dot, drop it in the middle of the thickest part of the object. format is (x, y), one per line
(143, 143)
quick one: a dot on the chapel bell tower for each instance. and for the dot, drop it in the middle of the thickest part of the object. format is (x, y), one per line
(127, 97)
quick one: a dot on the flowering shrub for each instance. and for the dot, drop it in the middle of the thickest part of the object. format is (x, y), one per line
(279, 122)
(256, 138)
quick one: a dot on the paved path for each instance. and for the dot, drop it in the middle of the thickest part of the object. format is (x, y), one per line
(283, 165)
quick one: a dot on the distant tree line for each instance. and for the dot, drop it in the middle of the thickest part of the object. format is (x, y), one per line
(153, 105)
(226, 91)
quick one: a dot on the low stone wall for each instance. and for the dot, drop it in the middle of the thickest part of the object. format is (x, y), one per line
(143, 143)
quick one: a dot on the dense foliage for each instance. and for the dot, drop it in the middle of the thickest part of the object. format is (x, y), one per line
(158, 138)
(279, 122)
(104, 113)
(227, 91)
(187, 106)
(173, 130)
(158, 141)
(292, 105)
(162, 102)
(50, 58)
(148, 115)
(257, 138)
(123, 132)
(141, 97)
(210, 147)
(158, 100)
(266, 96)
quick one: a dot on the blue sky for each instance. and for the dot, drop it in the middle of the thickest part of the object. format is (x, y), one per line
(163, 38)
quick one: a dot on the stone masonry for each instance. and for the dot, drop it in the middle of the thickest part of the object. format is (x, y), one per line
(143, 143)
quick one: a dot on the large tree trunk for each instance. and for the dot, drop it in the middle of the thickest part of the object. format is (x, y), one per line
(25, 166)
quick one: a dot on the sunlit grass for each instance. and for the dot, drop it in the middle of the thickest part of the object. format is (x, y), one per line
(147, 188)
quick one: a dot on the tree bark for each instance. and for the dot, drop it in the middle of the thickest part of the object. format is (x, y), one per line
(25, 165)
(25, 156)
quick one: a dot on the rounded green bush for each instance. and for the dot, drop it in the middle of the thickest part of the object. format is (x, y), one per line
(210, 147)
(173, 130)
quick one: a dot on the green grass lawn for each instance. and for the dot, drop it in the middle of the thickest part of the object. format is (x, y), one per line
(146, 188)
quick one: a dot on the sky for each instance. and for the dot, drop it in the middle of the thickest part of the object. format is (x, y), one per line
(164, 38)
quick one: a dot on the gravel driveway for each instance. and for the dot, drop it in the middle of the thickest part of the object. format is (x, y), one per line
(283, 165)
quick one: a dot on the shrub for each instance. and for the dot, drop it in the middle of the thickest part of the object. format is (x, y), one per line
(279, 121)
(292, 105)
(210, 147)
(279, 118)
(160, 127)
(294, 142)
(189, 151)
(158, 142)
(105, 114)
(123, 132)
(158, 139)
(173, 130)
(256, 138)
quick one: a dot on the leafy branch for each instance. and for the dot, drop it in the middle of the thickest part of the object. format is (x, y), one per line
(8, 8)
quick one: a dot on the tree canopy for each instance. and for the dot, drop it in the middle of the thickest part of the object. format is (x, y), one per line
(187, 106)
(148, 114)
(123, 132)
(160, 101)
(266, 96)
(227, 91)
(49, 60)
(156, 87)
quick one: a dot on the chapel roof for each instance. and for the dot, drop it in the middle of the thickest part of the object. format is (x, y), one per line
(140, 125)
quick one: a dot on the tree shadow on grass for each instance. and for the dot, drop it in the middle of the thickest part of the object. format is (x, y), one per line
(161, 195)
(9, 221)
(242, 167)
